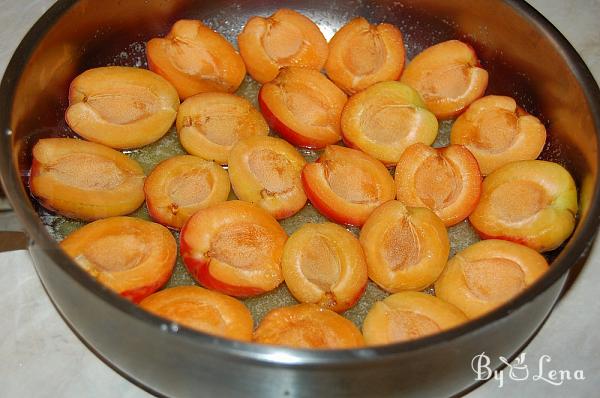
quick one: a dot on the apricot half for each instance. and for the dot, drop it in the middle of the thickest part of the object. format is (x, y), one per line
(286, 38)
(532, 202)
(487, 274)
(196, 59)
(182, 185)
(498, 132)
(234, 247)
(304, 107)
(324, 264)
(445, 180)
(448, 77)
(266, 171)
(406, 247)
(307, 326)
(346, 185)
(203, 310)
(407, 316)
(132, 257)
(361, 54)
(210, 124)
(85, 180)
(386, 118)
(121, 107)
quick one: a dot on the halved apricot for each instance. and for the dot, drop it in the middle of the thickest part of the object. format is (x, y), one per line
(180, 186)
(361, 54)
(304, 107)
(406, 247)
(407, 316)
(210, 124)
(532, 202)
(307, 326)
(448, 77)
(386, 118)
(85, 180)
(266, 171)
(204, 310)
(487, 274)
(196, 59)
(445, 180)
(286, 38)
(324, 264)
(234, 247)
(498, 132)
(346, 185)
(131, 256)
(121, 107)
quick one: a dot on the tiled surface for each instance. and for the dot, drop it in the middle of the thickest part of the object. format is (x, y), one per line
(40, 356)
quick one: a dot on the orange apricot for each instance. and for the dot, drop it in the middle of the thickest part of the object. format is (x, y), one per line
(487, 274)
(307, 326)
(324, 264)
(209, 124)
(132, 257)
(85, 180)
(498, 132)
(406, 247)
(361, 54)
(407, 316)
(445, 180)
(286, 38)
(234, 247)
(532, 202)
(182, 185)
(448, 77)
(346, 185)
(304, 107)
(386, 118)
(121, 107)
(266, 171)
(196, 59)
(203, 310)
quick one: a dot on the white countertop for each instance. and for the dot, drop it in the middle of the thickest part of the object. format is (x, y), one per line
(41, 357)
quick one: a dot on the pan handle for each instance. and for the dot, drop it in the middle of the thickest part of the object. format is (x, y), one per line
(10, 240)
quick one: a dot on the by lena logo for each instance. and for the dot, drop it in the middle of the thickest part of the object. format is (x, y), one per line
(518, 370)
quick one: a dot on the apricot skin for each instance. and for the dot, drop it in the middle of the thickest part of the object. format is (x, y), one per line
(531, 202)
(459, 162)
(349, 279)
(58, 185)
(345, 55)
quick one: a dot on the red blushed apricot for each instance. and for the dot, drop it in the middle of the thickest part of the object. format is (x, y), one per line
(121, 107)
(304, 107)
(498, 132)
(234, 247)
(361, 54)
(210, 124)
(532, 202)
(406, 247)
(324, 264)
(407, 316)
(307, 326)
(182, 185)
(448, 77)
(131, 256)
(386, 118)
(196, 59)
(445, 180)
(488, 274)
(85, 180)
(346, 185)
(203, 310)
(266, 171)
(286, 38)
